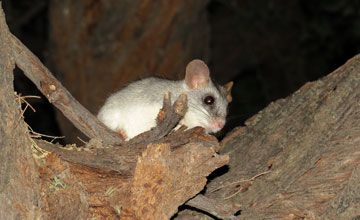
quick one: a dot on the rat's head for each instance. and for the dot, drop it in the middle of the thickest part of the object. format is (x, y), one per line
(207, 102)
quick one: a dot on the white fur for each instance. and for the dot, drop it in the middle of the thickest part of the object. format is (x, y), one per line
(133, 120)
(133, 110)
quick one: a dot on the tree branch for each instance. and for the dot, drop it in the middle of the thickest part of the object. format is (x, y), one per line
(58, 95)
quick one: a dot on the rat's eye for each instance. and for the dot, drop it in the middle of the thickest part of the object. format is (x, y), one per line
(209, 100)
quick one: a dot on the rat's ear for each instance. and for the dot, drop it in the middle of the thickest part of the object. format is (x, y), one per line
(228, 87)
(197, 74)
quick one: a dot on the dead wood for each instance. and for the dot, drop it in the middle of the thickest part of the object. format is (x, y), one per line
(309, 142)
(161, 180)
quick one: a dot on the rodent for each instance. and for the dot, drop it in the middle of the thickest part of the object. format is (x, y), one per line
(133, 109)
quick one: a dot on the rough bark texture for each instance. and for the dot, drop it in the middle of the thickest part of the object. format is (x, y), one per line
(159, 181)
(20, 197)
(97, 47)
(309, 143)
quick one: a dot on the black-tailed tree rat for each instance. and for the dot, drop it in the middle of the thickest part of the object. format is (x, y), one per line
(133, 110)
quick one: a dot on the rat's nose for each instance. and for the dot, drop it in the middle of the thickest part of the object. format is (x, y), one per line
(215, 125)
(219, 122)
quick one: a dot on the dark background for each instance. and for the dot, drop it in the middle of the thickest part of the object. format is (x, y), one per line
(268, 48)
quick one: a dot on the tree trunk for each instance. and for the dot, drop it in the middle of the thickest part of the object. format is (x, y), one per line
(20, 197)
(98, 47)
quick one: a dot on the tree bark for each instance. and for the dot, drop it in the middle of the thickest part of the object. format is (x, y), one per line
(98, 47)
(305, 148)
(20, 197)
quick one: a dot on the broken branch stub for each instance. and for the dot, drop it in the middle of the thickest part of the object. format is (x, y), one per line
(165, 179)
(167, 119)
